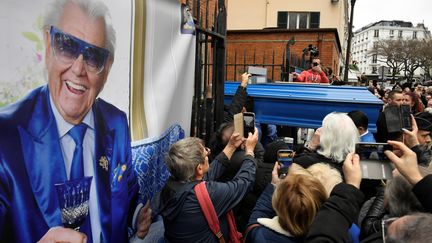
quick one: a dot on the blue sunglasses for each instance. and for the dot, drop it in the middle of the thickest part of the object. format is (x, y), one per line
(67, 49)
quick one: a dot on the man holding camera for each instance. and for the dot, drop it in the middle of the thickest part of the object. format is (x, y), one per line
(313, 75)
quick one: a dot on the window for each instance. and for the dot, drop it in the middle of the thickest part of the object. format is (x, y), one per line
(400, 34)
(376, 33)
(374, 70)
(298, 20)
(374, 58)
(414, 34)
(391, 33)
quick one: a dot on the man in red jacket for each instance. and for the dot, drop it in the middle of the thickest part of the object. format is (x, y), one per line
(313, 75)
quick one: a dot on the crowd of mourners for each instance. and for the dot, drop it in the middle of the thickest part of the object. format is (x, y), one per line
(321, 198)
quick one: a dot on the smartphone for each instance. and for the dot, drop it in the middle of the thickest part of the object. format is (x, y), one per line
(285, 157)
(248, 123)
(373, 161)
(393, 119)
(406, 117)
(398, 117)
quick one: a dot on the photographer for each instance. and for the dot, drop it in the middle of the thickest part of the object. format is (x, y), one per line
(313, 75)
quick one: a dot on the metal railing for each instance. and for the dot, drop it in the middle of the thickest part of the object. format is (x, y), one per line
(210, 23)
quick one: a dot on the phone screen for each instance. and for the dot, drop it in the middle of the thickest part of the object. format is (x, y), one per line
(372, 151)
(393, 119)
(406, 117)
(249, 123)
(373, 162)
(285, 157)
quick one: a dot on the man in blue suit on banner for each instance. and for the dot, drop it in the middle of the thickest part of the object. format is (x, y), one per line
(61, 132)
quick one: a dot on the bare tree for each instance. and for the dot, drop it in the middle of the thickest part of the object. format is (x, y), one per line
(390, 53)
(411, 51)
(425, 57)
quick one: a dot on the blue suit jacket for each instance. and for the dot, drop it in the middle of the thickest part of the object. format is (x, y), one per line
(31, 162)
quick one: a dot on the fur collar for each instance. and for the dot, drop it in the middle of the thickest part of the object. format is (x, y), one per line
(274, 225)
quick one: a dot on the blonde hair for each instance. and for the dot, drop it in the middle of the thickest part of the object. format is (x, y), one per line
(327, 175)
(296, 200)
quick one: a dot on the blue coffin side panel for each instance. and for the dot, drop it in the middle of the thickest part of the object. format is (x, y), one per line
(306, 105)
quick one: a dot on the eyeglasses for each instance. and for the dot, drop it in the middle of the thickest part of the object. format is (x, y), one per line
(384, 226)
(68, 48)
(208, 151)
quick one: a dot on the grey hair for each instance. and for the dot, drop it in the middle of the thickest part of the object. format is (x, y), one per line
(183, 158)
(399, 197)
(338, 136)
(416, 228)
(93, 9)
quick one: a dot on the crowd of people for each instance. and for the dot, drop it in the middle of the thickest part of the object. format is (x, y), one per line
(323, 196)
(234, 191)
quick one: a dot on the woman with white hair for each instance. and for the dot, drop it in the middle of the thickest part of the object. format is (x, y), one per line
(331, 142)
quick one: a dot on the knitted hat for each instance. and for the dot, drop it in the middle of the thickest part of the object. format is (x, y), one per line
(424, 121)
(270, 155)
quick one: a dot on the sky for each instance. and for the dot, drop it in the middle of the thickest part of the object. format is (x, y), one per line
(370, 11)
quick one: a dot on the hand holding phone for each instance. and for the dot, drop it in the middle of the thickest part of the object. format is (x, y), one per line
(275, 174)
(245, 79)
(248, 123)
(352, 170)
(406, 164)
(244, 123)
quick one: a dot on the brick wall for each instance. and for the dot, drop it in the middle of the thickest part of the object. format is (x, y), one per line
(206, 6)
(258, 46)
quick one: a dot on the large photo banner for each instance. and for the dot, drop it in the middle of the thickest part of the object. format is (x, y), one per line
(22, 64)
(169, 66)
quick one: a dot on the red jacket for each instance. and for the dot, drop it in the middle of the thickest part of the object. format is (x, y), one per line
(311, 77)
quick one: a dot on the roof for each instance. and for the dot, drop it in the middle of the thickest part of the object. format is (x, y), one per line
(398, 23)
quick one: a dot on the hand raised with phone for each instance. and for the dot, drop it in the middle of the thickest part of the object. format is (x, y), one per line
(406, 164)
(352, 170)
(251, 142)
(245, 79)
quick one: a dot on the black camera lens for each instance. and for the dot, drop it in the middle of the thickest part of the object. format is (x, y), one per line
(315, 64)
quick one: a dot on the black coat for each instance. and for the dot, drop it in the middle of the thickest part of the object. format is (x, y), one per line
(336, 215)
(182, 215)
(422, 190)
(307, 159)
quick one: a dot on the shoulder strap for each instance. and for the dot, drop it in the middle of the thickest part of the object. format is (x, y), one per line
(208, 210)
(249, 229)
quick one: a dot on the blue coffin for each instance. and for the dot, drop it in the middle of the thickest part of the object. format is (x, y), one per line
(306, 105)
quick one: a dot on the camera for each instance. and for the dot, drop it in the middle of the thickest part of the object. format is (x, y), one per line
(313, 50)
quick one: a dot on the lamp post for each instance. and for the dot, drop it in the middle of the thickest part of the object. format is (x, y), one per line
(288, 58)
(348, 51)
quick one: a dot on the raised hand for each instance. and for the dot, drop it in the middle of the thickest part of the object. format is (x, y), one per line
(406, 164)
(352, 170)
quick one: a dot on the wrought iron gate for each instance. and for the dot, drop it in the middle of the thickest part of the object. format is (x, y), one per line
(210, 22)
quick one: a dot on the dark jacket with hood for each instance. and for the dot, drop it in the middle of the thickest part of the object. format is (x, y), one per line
(182, 215)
